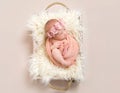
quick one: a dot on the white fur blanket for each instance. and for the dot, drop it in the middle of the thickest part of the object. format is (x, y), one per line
(40, 65)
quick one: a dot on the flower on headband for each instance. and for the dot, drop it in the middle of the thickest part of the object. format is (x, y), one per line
(58, 26)
(61, 22)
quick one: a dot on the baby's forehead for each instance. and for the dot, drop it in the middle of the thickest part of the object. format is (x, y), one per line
(50, 23)
(53, 21)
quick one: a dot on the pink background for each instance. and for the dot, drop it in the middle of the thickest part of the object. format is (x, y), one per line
(103, 46)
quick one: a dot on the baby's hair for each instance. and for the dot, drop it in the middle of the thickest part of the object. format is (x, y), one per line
(49, 23)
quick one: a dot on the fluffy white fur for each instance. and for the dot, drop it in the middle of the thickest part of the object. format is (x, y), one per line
(40, 65)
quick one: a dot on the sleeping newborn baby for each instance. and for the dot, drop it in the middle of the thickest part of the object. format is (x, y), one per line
(61, 47)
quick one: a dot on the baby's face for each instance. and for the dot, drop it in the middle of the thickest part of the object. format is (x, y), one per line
(53, 28)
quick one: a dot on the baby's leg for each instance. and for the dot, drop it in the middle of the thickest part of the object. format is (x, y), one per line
(57, 55)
